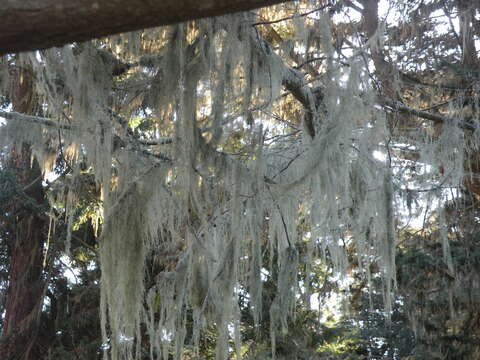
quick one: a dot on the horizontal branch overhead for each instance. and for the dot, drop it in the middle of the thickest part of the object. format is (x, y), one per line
(39, 24)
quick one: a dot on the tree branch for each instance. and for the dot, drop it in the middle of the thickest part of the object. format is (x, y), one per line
(118, 141)
(12, 115)
(436, 118)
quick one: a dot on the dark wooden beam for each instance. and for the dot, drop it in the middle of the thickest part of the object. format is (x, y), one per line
(39, 24)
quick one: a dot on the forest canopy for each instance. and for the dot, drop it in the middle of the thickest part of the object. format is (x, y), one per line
(299, 181)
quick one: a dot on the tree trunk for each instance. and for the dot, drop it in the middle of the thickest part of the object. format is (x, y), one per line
(38, 24)
(26, 240)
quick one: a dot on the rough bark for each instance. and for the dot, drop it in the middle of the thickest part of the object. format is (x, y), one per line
(26, 240)
(467, 34)
(385, 71)
(38, 24)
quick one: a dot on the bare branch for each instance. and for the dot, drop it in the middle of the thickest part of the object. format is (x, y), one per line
(436, 118)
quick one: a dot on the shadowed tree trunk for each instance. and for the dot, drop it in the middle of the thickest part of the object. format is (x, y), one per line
(25, 239)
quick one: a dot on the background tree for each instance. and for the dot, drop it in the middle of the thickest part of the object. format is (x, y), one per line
(25, 234)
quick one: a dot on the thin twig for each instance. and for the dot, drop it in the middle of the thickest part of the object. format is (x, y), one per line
(290, 17)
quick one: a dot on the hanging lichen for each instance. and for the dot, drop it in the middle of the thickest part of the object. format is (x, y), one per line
(200, 195)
